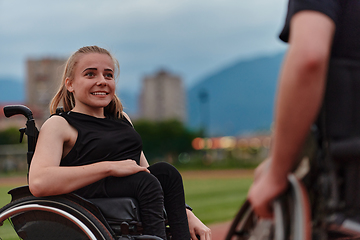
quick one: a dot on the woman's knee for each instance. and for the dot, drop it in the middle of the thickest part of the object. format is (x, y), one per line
(164, 168)
(149, 189)
(169, 177)
(148, 180)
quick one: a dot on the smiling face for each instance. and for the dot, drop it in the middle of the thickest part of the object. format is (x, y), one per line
(92, 83)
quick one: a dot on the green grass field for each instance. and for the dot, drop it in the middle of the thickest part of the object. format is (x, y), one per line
(216, 200)
(213, 199)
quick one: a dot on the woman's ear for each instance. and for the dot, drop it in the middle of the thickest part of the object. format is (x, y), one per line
(68, 85)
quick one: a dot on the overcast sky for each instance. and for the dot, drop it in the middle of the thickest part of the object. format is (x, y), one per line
(191, 38)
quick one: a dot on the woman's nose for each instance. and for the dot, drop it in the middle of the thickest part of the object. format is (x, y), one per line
(101, 81)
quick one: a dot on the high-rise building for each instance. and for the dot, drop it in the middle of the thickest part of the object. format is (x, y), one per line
(43, 81)
(162, 97)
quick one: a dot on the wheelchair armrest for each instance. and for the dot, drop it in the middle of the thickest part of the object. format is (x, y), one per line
(347, 148)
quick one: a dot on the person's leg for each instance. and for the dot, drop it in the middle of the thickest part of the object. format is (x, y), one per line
(174, 199)
(147, 190)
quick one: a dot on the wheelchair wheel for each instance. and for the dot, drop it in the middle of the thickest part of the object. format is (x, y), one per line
(52, 218)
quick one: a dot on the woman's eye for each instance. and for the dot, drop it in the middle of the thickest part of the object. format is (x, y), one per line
(90, 74)
(109, 75)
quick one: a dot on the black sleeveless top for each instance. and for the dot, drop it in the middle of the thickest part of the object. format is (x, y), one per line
(101, 139)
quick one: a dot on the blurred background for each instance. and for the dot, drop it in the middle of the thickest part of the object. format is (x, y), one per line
(198, 78)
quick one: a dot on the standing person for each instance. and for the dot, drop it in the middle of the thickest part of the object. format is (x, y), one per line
(318, 32)
(93, 150)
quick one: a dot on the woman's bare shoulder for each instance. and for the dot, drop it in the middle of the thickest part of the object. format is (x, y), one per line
(56, 125)
(55, 120)
(127, 117)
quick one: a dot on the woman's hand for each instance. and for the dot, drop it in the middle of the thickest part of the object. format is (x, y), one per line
(197, 228)
(125, 168)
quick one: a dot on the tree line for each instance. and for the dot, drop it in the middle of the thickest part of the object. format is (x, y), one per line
(165, 140)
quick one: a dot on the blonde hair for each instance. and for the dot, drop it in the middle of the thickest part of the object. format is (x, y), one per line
(114, 108)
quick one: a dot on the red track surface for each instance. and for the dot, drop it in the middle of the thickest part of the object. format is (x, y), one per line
(219, 231)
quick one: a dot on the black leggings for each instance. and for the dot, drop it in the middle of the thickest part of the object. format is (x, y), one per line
(163, 187)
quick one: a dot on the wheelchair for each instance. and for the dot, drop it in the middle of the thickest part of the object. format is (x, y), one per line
(322, 202)
(68, 216)
(320, 205)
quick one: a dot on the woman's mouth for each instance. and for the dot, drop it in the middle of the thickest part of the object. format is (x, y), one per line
(99, 93)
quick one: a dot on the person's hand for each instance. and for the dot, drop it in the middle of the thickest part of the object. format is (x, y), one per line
(263, 191)
(197, 228)
(125, 168)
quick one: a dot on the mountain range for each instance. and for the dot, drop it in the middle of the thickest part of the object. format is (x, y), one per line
(236, 100)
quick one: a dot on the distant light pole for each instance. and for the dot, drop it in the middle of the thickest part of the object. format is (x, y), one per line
(205, 111)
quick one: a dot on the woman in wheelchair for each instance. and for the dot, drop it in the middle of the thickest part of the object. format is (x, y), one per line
(92, 149)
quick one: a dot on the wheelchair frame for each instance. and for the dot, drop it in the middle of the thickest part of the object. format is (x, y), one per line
(67, 216)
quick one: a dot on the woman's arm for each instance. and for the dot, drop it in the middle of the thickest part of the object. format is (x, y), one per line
(47, 178)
